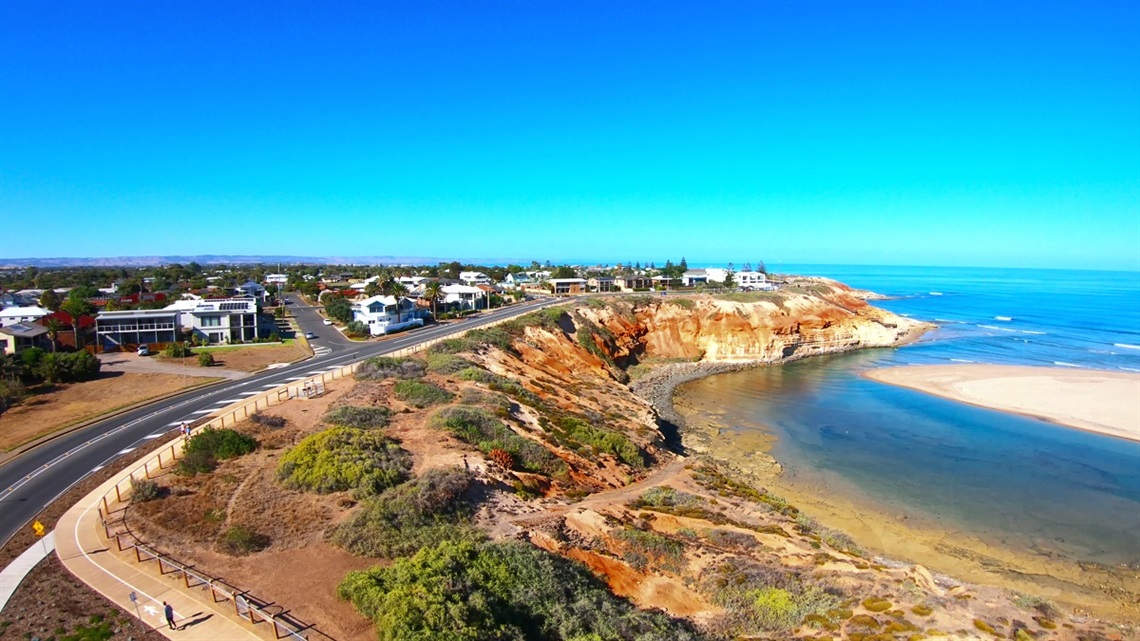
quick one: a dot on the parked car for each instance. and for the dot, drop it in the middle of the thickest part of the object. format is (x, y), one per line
(144, 350)
(310, 335)
(327, 322)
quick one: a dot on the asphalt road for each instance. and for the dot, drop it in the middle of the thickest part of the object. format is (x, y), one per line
(34, 479)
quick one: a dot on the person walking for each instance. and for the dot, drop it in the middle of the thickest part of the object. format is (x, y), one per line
(168, 610)
(185, 430)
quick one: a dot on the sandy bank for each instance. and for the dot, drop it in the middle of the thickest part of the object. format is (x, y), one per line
(1097, 401)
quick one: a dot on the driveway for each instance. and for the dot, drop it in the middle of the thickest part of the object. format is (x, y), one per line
(135, 364)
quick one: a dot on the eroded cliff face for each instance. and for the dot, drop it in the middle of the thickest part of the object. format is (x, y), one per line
(823, 317)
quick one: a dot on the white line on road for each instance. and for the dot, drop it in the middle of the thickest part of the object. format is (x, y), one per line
(149, 437)
(127, 451)
(203, 411)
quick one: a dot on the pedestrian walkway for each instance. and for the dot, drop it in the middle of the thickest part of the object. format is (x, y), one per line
(12, 575)
(85, 552)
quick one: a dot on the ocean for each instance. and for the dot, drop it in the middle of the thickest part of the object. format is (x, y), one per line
(1004, 479)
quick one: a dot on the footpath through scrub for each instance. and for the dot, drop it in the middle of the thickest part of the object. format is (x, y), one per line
(94, 542)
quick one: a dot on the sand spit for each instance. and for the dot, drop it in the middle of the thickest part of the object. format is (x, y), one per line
(1093, 400)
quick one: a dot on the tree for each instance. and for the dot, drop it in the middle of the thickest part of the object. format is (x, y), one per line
(52, 367)
(762, 268)
(372, 289)
(747, 267)
(684, 266)
(76, 307)
(395, 289)
(10, 367)
(49, 300)
(339, 308)
(53, 326)
(564, 271)
(433, 291)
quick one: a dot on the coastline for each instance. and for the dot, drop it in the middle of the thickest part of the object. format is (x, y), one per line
(1107, 592)
(1098, 401)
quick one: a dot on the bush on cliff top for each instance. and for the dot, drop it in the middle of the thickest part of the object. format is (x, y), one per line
(420, 394)
(482, 429)
(344, 458)
(208, 446)
(364, 418)
(511, 591)
(422, 512)
(574, 433)
(380, 367)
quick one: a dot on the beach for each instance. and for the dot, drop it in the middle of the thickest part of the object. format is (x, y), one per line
(1094, 400)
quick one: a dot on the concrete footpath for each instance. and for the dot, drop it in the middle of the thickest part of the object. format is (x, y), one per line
(18, 569)
(86, 553)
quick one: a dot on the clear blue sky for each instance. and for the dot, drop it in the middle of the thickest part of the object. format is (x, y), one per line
(955, 133)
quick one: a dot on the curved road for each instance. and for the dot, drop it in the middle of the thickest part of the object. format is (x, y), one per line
(32, 480)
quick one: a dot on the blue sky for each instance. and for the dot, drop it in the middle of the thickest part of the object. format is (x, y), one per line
(925, 133)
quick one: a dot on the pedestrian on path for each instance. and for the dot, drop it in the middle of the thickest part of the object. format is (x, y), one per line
(169, 611)
(185, 429)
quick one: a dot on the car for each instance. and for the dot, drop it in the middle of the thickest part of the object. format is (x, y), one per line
(327, 322)
(310, 335)
(144, 350)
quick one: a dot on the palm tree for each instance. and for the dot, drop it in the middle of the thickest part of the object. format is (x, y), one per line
(53, 326)
(75, 308)
(396, 289)
(433, 290)
(10, 367)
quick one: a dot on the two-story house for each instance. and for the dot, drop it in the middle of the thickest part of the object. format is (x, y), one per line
(387, 314)
(474, 278)
(13, 315)
(463, 296)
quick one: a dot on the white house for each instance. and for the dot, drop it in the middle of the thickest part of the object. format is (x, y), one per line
(751, 280)
(474, 278)
(386, 314)
(411, 282)
(276, 279)
(516, 280)
(13, 315)
(694, 277)
(222, 320)
(716, 274)
(465, 296)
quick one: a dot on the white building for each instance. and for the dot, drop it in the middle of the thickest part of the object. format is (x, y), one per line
(694, 277)
(466, 297)
(276, 279)
(222, 320)
(716, 274)
(474, 278)
(13, 315)
(251, 288)
(516, 280)
(751, 280)
(386, 314)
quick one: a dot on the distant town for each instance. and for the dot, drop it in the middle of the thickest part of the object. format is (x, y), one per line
(112, 309)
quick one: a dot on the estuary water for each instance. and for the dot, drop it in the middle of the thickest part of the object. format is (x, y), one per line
(1010, 481)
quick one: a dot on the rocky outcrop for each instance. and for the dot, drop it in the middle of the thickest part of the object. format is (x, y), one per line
(824, 317)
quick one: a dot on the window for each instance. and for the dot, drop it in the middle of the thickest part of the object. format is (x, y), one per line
(211, 321)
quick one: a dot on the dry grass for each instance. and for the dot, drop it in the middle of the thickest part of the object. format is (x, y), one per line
(67, 405)
(252, 359)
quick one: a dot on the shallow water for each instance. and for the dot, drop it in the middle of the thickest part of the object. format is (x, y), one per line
(1010, 481)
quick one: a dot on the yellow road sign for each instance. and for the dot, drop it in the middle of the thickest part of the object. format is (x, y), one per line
(39, 528)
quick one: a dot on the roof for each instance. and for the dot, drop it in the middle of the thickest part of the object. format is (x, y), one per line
(13, 312)
(460, 289)
(65, 319)
(567, 281)
(249, 284)
(24, 330)
(136, 313)
(696, 272)
(383, 300)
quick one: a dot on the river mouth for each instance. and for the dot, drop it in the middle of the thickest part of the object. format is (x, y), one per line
(978, 495)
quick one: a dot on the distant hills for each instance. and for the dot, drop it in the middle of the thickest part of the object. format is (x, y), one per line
(214, 259)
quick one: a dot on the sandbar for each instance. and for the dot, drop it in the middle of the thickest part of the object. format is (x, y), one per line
(1094, 400)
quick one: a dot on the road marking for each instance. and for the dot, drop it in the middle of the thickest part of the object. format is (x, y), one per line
(271, 386)
(203, 411)
(250, 393)
(296, 378)
(149, 437)
(127, 451)
(232, 400)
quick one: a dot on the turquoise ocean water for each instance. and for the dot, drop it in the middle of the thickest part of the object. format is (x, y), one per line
(1006, 479)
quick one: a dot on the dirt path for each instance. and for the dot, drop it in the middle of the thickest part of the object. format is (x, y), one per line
(620, 495)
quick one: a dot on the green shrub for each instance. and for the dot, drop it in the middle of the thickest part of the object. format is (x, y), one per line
(573, 432)
(381, 367)
(267, 420)
(471, 591)
(448, 346)
(420, 394)
(240, 540)
(446, 363)
(759, 598)
(641, 549)
(207, 447)
(344, 458)
(503, 384)
(205, 359)
(364, 418)
(143, 490)
(422, 512)
(482, 429)
(177, 350)
(357, 328)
